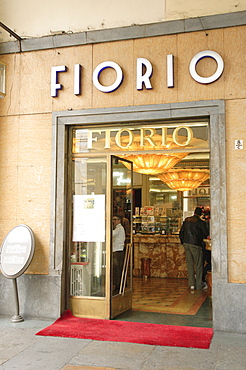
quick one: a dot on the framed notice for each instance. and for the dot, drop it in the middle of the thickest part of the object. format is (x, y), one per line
(17, 251)
(89, 218)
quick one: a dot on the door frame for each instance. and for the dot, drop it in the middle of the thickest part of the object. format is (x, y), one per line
(121, 302)
(214, 110)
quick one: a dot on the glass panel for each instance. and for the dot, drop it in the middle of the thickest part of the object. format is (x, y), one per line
(181, 136)
(122, 200)
(88, 247)
(199, 197)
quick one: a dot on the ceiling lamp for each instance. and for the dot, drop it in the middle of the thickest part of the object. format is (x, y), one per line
(153, 164)
(184, 179)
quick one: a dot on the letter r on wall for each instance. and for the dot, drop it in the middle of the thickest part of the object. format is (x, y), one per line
(143, 78)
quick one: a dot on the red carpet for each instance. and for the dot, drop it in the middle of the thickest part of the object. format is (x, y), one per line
(70, 326)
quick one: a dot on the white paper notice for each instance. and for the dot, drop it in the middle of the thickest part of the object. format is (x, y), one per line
(89, 218)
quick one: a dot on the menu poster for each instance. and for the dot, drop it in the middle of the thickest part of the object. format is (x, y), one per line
(89, 218)
(17, 251)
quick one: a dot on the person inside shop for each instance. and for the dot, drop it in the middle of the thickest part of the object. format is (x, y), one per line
(126, 224)
(192, 233)
(119, 237)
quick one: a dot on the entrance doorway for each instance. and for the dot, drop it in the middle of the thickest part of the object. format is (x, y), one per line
(213, 112)
(122, 174)
(160, 293)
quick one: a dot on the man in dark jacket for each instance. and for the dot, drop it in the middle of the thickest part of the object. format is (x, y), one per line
(191, 235)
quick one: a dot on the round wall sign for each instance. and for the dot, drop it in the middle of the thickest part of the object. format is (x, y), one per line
(17, 251)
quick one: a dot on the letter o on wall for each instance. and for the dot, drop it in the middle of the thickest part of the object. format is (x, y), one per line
(99, 69)
(206, 54)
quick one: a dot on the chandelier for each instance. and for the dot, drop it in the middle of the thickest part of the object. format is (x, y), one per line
(184, 179)
(153, 164)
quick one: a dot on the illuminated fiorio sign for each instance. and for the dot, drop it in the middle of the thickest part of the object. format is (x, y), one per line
(150, 138)
(144, 71)
(146, 137)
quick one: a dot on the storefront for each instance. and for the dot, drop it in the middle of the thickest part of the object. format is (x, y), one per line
(113, 103)
(98, 171)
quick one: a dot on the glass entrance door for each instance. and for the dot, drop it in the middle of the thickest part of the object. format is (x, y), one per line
(121, 275)
(93, 197)
(88, 236)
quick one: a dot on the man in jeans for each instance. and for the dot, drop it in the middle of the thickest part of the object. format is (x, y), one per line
(191, 235)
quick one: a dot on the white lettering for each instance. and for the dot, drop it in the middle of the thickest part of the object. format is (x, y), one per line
(15, 249)
(143, 79)
(54, 79)
(170, 73)
(77, 79)
(99, 69)
(144, 72)
(13, 260)
(206, 54)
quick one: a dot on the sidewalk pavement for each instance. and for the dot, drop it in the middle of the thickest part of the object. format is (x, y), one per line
(21, 349)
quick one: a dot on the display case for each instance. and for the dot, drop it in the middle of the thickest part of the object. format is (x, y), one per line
(175, 220)
(151, 224)
(174, 225)
(163, 225)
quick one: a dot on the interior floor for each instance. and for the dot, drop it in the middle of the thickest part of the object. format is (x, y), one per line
(168, 301)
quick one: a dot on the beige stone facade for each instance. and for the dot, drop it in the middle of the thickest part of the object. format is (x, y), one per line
(31, 179)
(25, 130)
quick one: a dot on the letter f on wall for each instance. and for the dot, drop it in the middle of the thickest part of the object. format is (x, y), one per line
(54, 79)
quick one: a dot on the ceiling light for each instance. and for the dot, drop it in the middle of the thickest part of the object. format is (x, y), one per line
(184, 179)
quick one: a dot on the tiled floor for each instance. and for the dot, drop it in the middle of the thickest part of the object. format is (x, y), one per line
(168, 301)
(166, 296)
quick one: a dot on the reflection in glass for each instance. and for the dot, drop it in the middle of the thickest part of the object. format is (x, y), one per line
(88, 245)
(122, 205)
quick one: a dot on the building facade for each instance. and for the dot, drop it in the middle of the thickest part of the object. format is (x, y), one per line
(167, 71)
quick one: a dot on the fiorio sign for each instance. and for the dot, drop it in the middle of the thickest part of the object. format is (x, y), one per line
(146, 137)
(144, 71)
(138, 138)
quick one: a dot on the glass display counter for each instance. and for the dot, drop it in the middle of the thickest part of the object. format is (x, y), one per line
(150, 225)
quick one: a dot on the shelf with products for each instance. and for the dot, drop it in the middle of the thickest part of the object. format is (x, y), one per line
(146, 224)
(175, 225)
(163, 225)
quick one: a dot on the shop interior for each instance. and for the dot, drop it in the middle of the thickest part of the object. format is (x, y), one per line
(159, 207)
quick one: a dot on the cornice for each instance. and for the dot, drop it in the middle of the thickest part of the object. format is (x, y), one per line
(126, 33)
